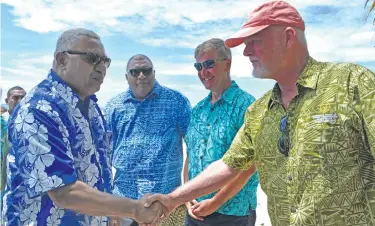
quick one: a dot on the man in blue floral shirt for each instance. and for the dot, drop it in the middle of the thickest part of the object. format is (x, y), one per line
(59, 170)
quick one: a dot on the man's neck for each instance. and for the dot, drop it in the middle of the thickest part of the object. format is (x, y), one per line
(287, 81)
(216, 94)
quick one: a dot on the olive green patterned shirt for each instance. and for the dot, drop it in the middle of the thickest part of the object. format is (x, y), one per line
(329, 176)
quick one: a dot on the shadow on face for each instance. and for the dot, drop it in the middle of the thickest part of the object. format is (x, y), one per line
(141, 77)
(15, 96)
(84, 66)
(213, 70)
(266, 51)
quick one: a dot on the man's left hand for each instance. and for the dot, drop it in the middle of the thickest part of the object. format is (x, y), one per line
(204, 208)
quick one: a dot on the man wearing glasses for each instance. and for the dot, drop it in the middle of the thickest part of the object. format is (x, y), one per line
(214, 123)
(59, 170)
(148, 122)
(312, 137)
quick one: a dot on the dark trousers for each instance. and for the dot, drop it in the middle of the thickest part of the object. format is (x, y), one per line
(217, 219)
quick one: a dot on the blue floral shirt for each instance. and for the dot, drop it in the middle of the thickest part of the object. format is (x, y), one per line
(51, 145)
(211, 131)
(147, 141)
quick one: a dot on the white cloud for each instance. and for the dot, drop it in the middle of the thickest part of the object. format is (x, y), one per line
(129, 16)
(339, 36)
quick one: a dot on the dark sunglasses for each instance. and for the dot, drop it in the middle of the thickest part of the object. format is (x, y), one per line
(206, 64)
(91, 58)
(136, 72)
(283, 144)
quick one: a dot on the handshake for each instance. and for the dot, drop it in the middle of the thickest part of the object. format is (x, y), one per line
(149, 210)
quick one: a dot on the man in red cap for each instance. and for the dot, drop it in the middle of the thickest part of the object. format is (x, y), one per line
(312, 137)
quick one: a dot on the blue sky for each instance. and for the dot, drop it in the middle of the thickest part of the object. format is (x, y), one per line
(168, 32)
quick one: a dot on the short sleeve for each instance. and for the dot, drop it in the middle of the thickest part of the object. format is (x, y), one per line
(184, 114)
(108, 114)
(241, 152)
(246, 100)
(40, 142)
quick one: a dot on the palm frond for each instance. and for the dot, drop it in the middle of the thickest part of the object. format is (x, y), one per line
(372, 7)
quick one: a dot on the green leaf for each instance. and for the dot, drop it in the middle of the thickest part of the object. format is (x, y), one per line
(372, 7)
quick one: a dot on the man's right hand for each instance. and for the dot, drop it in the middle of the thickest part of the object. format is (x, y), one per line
(168, 203)
(190, 211)
(148, 215)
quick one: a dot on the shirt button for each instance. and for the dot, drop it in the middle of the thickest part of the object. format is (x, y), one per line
(212, 109)
(290, 178)
(201, 156)
(293, 209)
(208, 125)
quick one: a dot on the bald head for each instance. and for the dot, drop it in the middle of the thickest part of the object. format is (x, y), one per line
(138, 57)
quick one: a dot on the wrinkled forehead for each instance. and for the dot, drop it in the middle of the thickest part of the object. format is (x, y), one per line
(139, 63)
(91, 45)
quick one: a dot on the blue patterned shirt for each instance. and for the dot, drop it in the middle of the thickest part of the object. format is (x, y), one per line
(3, 133)
(147, 141)
(3, 152)
(211, 131)
(52, 145)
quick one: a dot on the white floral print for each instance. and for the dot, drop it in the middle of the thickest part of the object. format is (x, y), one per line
(54, 146)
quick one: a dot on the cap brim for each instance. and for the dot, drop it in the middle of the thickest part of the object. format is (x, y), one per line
(238, 37)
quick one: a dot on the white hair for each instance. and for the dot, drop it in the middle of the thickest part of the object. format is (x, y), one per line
(71, 37)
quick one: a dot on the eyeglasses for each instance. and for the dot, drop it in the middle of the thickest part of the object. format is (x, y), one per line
(92, 58)
(136, 72)
(206, 64)
(283, 143)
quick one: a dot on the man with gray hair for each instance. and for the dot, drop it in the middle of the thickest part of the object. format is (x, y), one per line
(312, 137)
(214, 123)
(59, 170)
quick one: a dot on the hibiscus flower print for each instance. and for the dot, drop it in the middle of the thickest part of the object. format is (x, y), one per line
(40, 181)
(44, 105)
(39, 155)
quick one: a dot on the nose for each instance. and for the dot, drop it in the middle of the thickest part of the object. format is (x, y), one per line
(204, 72)
(249, 50)
(101, 68)
(141, 76)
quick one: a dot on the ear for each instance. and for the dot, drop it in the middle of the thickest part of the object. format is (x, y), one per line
(126, 76)
(228, 64)
(6, 100)
(290, 35)
(60, 60)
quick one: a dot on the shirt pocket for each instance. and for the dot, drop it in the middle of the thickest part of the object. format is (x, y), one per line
(321, 136)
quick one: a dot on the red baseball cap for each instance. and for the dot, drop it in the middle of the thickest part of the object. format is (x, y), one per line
(270, 13)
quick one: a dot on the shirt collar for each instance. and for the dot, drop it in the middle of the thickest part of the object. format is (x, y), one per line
(227, 96)
(308, 79)
(156, 91)
(310, 74)
(75, 97)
